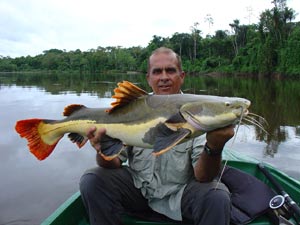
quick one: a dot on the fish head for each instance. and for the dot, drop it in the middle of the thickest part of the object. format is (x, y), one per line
(216, 112)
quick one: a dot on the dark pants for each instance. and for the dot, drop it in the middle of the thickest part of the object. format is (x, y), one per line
(109, 193)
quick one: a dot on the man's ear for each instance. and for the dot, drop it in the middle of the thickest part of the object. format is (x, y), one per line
(182, 75)
(148, 79)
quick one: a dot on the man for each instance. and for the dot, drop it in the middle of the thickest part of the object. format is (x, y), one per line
(180, 184)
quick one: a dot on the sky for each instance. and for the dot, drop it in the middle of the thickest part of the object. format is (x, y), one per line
(28, 27)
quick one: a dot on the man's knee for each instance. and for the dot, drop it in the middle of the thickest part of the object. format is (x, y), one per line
(104, 180)
(215, 202)
(87, 183)
(218, 199)
(93, 180)
(99, 198)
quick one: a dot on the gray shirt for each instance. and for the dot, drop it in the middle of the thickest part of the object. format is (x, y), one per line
(162, 179)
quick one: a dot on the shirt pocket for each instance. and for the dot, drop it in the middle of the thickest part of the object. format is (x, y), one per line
(141, 160)
(177, 164)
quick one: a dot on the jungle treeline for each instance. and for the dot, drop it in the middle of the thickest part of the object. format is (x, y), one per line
(270, 47)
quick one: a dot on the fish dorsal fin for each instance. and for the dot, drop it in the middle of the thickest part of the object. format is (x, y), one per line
(125, 93)
(72, 108)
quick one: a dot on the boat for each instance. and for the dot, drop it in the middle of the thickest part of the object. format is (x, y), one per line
(72, 211)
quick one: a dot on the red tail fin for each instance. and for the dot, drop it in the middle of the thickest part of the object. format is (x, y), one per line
(30, 130)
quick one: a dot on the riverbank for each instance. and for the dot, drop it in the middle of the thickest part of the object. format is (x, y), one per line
(275, 76)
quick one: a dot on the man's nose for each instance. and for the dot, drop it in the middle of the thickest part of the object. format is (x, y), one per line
(164, 75)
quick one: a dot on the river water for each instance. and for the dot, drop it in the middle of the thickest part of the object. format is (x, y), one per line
(31, 190)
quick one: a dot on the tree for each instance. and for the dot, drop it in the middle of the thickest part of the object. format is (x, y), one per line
(235, 27)
(290, 55)
(267, 57)
(208, 19)
(7, 65)
(277, 21)
(196, 36)
(156, 42)
(274, 28)
(182, 44)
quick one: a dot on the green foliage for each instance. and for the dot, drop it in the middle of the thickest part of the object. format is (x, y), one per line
(290, 55)
(7, 64)
(267, 57)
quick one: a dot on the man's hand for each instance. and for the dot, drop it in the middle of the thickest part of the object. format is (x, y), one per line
(217, 139)
(95, 136)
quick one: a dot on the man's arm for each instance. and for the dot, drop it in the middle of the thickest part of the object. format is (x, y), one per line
(95, 136)
(208, 165)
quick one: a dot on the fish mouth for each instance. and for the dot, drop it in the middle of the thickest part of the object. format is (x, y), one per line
(241, 112)
(236, 116)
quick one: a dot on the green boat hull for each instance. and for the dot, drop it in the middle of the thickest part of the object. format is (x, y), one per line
(72, 212)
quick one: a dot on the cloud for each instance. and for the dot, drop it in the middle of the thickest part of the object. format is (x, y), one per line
(32, 26)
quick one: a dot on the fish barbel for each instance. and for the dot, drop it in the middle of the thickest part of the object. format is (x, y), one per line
(137, 119)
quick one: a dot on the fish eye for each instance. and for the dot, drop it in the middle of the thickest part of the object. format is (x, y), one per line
(227, 103)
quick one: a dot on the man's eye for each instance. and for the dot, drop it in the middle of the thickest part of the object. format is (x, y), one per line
(157, 71)
(171, 70)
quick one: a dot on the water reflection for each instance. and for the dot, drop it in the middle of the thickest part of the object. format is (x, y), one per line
(31, 190)
(277, 101)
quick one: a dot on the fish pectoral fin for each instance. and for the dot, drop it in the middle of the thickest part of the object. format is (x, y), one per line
(176, 118)
(78, 139)
(111, 147)
(175, 121)
(167, 138)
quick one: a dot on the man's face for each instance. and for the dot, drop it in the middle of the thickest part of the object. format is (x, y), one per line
(164, 76)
